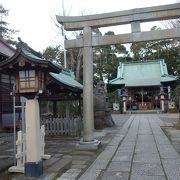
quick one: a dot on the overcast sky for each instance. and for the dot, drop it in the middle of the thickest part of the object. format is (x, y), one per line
(33, 18)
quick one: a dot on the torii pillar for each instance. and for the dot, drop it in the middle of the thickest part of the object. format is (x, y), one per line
(88, 141)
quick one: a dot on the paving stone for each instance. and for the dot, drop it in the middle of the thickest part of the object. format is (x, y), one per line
(65, 178)
(129, 139)
(150, 150)
(48, 176)
(165, 147)
(79, 157)
(109, 152)
(115, 141)
(100, 164)
(58, 155)
(67, 157)
(78, 166)
(50, 161)
(110, 148)
(78, 162)
(115, 175)
(89, 153)
(5, 163)
(147, 169)
(145, 132)
(146, 158)
(169, 155)
(71, 173)
(60, 165)
(126, 149)
(119, 166)
(173, 161)
(146, 145)
(3, 157)
(172, 170)
(145, 137)
(10, 150)
(137, 177)
(73, 170)
(146, 148)
(161, 142)
(2, 142)
(90, 174)
(123, 156)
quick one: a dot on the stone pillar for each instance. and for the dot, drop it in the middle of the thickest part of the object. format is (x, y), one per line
(88, 141)
(162, 105)
(124, 104)
(33, 165)
(162, 102)
(88, 111)
(135, 26)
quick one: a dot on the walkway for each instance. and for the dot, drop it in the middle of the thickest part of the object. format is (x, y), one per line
(135, 150)
(139, 151)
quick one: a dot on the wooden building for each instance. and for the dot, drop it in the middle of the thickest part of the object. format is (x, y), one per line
(142, 83)
(34, 76)
(6, 83)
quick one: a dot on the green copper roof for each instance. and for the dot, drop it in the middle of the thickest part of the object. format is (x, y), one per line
(66, 78)
(146, 73)
(31, 56)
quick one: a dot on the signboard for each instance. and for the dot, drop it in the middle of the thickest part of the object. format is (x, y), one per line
(115, 106)
(120, 92)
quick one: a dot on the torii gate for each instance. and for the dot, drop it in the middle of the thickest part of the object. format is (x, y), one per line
(134, 17)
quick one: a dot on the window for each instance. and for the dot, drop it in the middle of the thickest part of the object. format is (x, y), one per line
(41, 80)
(27, 79)
(5, 78)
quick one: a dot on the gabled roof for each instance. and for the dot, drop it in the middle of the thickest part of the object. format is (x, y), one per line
(5, 49)
(30, 55)
(60, 74)
(66, 78)
(145, 73)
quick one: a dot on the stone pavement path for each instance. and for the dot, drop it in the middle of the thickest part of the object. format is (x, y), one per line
(139, 151)
(135, 150)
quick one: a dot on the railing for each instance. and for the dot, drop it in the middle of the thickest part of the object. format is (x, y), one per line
(21, 150)
(62, 125)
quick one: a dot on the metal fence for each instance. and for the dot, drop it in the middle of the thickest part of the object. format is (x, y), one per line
(62, 125)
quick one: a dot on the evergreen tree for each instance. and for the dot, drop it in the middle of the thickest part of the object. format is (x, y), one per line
(106, 60)
(169, 50)
(6, 32)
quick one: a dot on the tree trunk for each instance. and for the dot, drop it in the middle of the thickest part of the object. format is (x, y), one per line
(72, 60)
(78, 66)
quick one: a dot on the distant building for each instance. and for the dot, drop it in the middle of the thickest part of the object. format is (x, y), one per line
(6, 81)
(6, 50)
(142, 82)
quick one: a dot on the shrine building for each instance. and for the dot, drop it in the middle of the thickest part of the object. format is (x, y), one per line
(32, 75)
(144, 84)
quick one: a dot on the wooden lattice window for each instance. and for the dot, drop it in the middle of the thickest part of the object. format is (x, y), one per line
(27, 79)
(41, 80)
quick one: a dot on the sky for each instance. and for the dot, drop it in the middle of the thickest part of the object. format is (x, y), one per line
(35, 18)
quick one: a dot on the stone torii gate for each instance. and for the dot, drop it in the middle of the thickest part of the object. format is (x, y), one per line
(86, 23)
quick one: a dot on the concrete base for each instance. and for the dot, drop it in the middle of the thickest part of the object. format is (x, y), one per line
(91, 145)
(34, 169)
(46, 156)
(16, 169)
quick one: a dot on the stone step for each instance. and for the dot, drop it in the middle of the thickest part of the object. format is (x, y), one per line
(144, 112)
(60, 166)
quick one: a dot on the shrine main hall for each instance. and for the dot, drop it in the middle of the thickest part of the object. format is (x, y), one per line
(144, 84)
